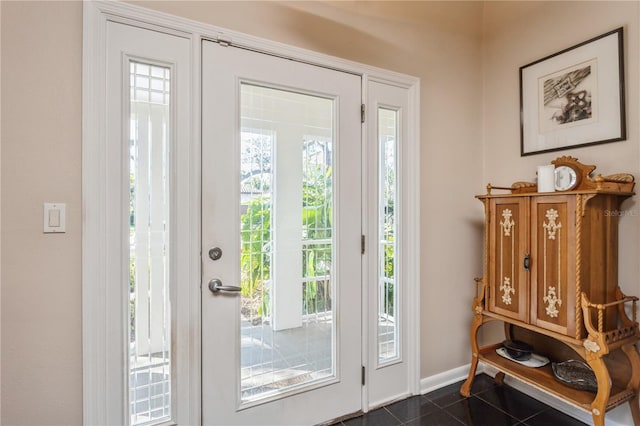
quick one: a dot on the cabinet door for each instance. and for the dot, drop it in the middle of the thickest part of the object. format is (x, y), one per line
(553, 270)
(508, 284)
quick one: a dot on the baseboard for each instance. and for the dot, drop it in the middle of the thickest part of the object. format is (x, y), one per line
(620, 416)
(445, 378)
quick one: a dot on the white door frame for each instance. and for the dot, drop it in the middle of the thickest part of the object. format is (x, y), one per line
(103, 394)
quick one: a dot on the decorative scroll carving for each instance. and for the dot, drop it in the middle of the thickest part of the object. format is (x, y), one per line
(507, 290)
(506, 287)
(551, 297)
(590, 345)
(552, 226)
(553, 302)
(507, 223)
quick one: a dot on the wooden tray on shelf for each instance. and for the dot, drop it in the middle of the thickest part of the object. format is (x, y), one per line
(543, 379)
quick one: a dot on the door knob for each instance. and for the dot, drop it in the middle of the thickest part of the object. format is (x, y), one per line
(215, 285)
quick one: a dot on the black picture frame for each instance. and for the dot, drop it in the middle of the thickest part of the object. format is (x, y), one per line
(575, 97)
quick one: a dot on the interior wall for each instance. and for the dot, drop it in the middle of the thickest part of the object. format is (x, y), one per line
(41, 162)
(0, 209)
(518, 33)
(459, 50)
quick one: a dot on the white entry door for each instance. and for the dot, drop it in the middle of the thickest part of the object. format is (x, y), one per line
(281, 240)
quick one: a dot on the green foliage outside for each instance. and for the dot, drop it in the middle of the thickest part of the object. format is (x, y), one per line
(255, 257)
(317, 219)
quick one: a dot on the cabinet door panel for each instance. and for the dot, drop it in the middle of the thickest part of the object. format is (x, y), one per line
(553, 272)
(508, 286)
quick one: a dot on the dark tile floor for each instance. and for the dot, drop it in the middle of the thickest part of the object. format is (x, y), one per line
(488, 405)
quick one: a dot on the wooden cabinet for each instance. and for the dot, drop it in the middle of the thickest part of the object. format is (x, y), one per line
(551, 275)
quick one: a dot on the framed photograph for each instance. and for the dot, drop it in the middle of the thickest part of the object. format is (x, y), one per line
(574, 97)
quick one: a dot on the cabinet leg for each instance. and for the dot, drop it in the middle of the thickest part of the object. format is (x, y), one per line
(598, 420)
(634, 381)
(604, 389)
(465, 390)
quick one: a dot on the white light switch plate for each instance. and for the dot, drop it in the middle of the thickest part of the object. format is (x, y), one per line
(54, 218)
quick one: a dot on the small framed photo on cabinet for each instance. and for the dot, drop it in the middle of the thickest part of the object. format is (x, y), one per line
(575, 97)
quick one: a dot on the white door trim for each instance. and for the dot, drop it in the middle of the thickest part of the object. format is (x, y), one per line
(105, 244)
(102, 394)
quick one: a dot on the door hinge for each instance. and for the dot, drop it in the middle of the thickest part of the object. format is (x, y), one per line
(224, 40)
(363, 375)
(362, 110)
(362, 244)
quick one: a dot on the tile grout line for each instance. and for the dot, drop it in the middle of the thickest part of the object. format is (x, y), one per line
(391, 414)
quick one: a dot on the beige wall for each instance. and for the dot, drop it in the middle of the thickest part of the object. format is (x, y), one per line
(41, 159)
(466, 141)
(0, 210)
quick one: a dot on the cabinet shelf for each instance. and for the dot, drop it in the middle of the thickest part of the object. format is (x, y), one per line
(542, 378)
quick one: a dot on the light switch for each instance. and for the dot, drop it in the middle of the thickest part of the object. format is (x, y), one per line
(54, 217)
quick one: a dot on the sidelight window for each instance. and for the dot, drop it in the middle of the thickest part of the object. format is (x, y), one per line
(388, 290)
(150, 361)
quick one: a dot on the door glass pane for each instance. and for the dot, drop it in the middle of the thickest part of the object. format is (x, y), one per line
(149, 307)
(387, 230)
(286, 185)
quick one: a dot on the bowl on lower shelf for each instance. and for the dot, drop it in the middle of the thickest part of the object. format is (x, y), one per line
(517, 349)
(576, 374)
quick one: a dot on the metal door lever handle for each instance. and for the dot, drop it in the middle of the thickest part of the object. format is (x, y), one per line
(215, 285)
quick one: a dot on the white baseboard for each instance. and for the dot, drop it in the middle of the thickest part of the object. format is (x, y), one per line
(620, 416)
(445, 378)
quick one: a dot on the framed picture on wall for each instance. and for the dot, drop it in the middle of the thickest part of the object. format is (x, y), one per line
(574, 97)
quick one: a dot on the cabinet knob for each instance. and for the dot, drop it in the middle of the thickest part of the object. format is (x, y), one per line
(527, 261)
